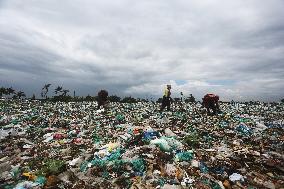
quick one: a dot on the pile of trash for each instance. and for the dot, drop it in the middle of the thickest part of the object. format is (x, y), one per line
(74, 145)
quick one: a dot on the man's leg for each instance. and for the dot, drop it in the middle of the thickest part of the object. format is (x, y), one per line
(168, 105)
(218, 107)
(208, 110)
(162, 106)
(214, 110)
(99, 104)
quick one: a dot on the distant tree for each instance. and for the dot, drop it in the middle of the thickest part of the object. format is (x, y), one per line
(20, 94)
(78, 99)
(44, 90)
(114, 98)
(10, 91)
(64, 92)
(61, 95)
(144, 100)
(89, 98)
(159, 100)
(33, 97)
(190, 99)
(282, 100)
(58, 89)
(176, 99)
(3, 91)
(62, 98)
(6, 91)
(129, 100)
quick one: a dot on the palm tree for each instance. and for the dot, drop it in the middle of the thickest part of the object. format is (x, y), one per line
(44, 90)
(64, 92)
(58, 89)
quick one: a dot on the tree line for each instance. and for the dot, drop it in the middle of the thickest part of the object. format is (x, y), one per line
(62, 94)
(11, 92)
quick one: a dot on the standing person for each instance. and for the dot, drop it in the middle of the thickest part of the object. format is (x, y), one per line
(181, 96)
(102, 98)
(210, 102)
(191, 98)
(166, 102)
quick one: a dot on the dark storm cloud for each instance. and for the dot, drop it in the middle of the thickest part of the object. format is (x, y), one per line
(234, 48)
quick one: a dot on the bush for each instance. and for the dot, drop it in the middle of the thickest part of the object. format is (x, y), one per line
(129, 100)
(61, 98)
(114, 98)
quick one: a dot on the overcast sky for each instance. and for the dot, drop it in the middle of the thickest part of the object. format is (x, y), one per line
(131, 47)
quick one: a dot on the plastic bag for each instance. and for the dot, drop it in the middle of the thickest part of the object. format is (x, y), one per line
(162, 143)
(184, 156)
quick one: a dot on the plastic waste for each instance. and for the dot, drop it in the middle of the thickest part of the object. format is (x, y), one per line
(162, 143)
(236, 177)
(40, 180)
(149, 135)
(244, 129)
(29, 176)
(25, 185)
(170, 169)
(74, 161)
(3, 134)
(184, 156)
(72, 145)
(169, 133)
(203, 168)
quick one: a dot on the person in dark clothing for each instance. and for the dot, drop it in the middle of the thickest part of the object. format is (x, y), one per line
(210, 102)
(191, 98)
(102, 98)
(166, 102)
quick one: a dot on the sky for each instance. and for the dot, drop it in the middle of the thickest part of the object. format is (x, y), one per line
(134, 48)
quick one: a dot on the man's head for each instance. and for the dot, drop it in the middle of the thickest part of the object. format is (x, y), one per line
(169, 86)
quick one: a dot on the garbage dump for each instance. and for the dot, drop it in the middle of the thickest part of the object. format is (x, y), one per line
(134, 145)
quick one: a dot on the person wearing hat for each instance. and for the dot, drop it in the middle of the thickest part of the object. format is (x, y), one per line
(166, 102)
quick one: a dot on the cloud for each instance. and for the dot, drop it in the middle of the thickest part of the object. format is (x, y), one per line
(233, 48)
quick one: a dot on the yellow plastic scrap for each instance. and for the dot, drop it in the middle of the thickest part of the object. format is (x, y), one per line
(30, 176)
(112, 146)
